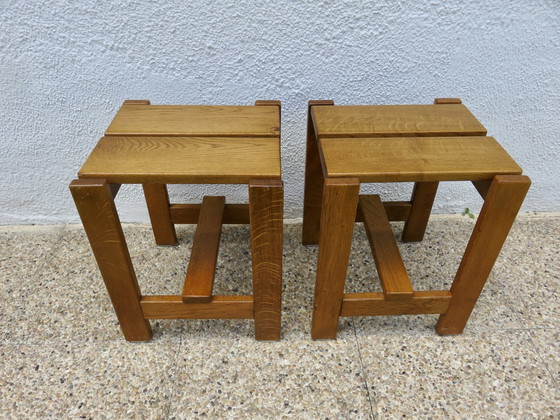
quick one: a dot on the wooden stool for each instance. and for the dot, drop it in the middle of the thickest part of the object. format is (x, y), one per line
(159, 145)
(425, 144)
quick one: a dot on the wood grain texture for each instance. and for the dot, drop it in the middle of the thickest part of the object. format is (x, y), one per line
(397, 211)
(276, 104)
(340, 202)
(425, 159)
(157, 200)
(375, 304)
(136, 102)
(423, 196)
(94, 201)
(396, 121)
(503, 201)
(195, 120)
(199, 280)
(183, 160)
(188, 214)
(266, 208)
(220, 307)
(447, 101)
(314, 179)
(388, 261)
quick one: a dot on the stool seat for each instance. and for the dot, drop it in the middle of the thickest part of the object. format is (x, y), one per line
(180, 160)
(398, 159)
(395, 120)
(425, 144)
(195, 120)
(156, 145)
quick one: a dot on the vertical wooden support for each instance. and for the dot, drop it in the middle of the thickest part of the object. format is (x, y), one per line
(422, 200)
(266, 206)
(503, 201)
(340, 202)
(94, 200)
(157, 200)
(314, 180)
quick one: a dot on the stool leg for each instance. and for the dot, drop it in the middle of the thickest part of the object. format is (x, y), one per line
(422, 199)
(157, 200)
(314, 180)
(503, 201)
(266, 206)
(338, 215)
(94, 200)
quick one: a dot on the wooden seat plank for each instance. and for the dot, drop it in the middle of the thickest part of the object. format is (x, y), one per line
(396, 159)
(396, 121)
(199, 280)
(194, 120)
(183, 160)
(390, 267)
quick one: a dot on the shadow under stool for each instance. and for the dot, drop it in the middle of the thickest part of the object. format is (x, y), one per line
(156, 145)
(424, 144)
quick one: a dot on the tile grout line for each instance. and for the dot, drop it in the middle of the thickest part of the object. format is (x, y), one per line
(554, 380)
(363, 369)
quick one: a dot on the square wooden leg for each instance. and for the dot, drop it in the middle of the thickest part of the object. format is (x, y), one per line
(266, 206)
(314, 180)
(94, 200)
(503, 201)
(157, 200)
(338, 214)
(423, 197)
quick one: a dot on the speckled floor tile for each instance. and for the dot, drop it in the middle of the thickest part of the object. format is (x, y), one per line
(488, 376)
(547, 343)
(117, 380)
(55, 309)
(262, 380)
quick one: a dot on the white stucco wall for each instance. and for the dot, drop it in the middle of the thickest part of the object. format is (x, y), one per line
(66, 66)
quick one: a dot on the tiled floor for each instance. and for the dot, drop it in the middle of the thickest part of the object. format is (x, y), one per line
(63, 356)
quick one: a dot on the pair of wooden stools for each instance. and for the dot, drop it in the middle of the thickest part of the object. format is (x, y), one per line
(155, 145)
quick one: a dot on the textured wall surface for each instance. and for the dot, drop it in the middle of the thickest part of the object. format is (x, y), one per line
(66, 66)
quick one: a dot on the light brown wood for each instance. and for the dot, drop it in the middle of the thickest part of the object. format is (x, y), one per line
(136, 102)
(220, 307)
(340, 202)
(195, 120)
(503, 201)
(374, 304)
(423, 197)
(94, 201)
(183, 160)
(388, 261)
(396, 121)
(314, 179)
(157, 200)
(417, 158)
(266, 207)
(188, 214)
(447, 101)
(199, 280)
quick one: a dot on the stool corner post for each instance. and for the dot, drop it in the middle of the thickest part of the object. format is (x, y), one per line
(338, 215)
(157, 201)
(502, 203)
(314, 180)
(96, 207)
(266, 210)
